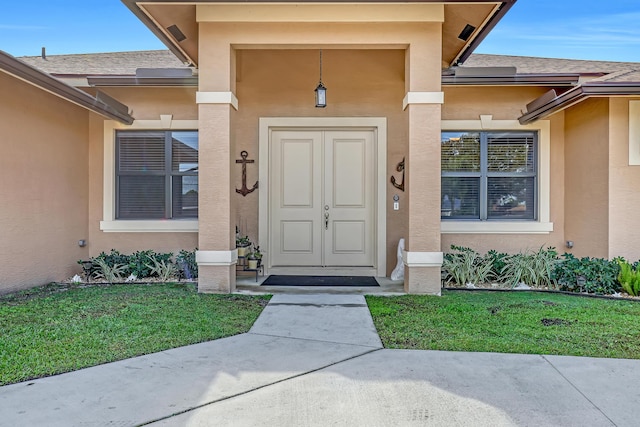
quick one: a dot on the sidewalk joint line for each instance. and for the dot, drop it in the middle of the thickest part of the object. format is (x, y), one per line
(314, 340)
(578, 390)
(222, 399)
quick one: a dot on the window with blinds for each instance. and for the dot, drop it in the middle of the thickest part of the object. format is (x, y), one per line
(156, 174)
(489, 175)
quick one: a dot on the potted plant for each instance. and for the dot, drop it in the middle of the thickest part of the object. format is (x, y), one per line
(254, 258)
(242, 244)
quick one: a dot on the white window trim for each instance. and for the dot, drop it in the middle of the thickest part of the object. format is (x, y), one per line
(543, 224)
(109, 224)
(634, 133)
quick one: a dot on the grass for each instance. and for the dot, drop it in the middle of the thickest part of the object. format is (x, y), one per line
(509, 322)
(61, 328)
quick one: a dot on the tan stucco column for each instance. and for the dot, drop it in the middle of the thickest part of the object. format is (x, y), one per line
(217, 256)
(422, 104)
(423, 257)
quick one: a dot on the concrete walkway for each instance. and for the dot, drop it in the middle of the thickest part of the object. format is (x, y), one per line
(316, 360)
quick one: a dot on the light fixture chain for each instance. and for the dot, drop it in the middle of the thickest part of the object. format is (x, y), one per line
(320, 65)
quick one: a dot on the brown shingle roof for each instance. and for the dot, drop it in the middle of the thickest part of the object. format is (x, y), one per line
(126, 63)
(112, 63)
(533, 65)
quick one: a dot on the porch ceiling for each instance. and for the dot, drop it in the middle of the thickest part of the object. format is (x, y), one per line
(163, 16)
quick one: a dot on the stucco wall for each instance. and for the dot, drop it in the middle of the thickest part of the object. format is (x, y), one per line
(43, 186)
(507, 103)
(624, 186)
(587, 177)
(147, 104)
(363, 83)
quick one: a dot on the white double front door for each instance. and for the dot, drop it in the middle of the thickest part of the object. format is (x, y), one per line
(322, 198)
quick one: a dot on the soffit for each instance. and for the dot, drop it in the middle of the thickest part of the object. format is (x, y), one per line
(159, 15)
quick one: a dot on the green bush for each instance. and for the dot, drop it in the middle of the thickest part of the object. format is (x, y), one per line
(186, 261)
(139, 263)
(464, 265)
(629, 278)
(531, 268)
(597, 275)
(109, 273)
(498, 261)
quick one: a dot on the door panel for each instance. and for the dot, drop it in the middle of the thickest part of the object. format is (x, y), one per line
(349, 184)
(322, 198)
(295, 190)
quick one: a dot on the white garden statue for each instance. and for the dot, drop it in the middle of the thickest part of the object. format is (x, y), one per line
(398, 272)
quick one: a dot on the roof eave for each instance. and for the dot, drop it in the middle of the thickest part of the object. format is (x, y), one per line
(579, 94)
(493, 21)
(555, 80)
(31, 75)
(133, 6)
(127, 81)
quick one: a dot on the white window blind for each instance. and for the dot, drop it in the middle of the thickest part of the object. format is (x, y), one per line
(489, 175)
(156, 174)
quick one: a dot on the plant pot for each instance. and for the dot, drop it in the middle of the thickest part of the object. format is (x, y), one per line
(253, 264)
(242, 250)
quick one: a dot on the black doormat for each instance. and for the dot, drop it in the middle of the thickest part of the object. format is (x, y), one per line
(281, 280)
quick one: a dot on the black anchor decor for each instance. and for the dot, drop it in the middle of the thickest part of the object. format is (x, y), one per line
(244, 190)
(399, 168)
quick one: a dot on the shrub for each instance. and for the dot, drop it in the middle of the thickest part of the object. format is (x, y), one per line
(139, 263)
(597, 275)
(465, 265)
(532, 268)
(186, 261)
(497, 261)
(110, 273)
(163, 269)
(629, 278)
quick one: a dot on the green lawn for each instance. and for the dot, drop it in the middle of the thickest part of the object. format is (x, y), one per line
(509, 322)
(58, 328)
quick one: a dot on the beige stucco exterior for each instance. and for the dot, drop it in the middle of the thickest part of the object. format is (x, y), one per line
(148, 104)
(270, 79)
(43, 186)
(624, 185)
(57, 167)
(587, 177)
(505, 103)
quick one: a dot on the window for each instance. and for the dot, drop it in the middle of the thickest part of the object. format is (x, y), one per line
(156, 174)
(489, 175)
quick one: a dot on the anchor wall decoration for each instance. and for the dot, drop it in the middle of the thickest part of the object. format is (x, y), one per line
(244, 190)
(399, 168)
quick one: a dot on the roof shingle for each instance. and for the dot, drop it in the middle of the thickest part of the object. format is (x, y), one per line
(126, 63)
(111, 63)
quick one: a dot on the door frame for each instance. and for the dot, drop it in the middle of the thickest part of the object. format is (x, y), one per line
(379, 127)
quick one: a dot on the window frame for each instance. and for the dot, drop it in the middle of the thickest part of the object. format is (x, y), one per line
(167, 173)
(542, 225)
(109, 223)
(484, 175)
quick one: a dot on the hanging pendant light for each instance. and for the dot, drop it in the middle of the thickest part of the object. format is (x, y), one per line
(321, 90)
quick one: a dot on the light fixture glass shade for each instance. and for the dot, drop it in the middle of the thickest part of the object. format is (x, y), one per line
(321, 96)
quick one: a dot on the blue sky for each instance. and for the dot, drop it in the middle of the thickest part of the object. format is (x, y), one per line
(579, 29)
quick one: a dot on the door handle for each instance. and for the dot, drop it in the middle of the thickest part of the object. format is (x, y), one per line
(326, 220)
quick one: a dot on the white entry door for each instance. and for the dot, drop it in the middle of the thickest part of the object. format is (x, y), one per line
(322, 198)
